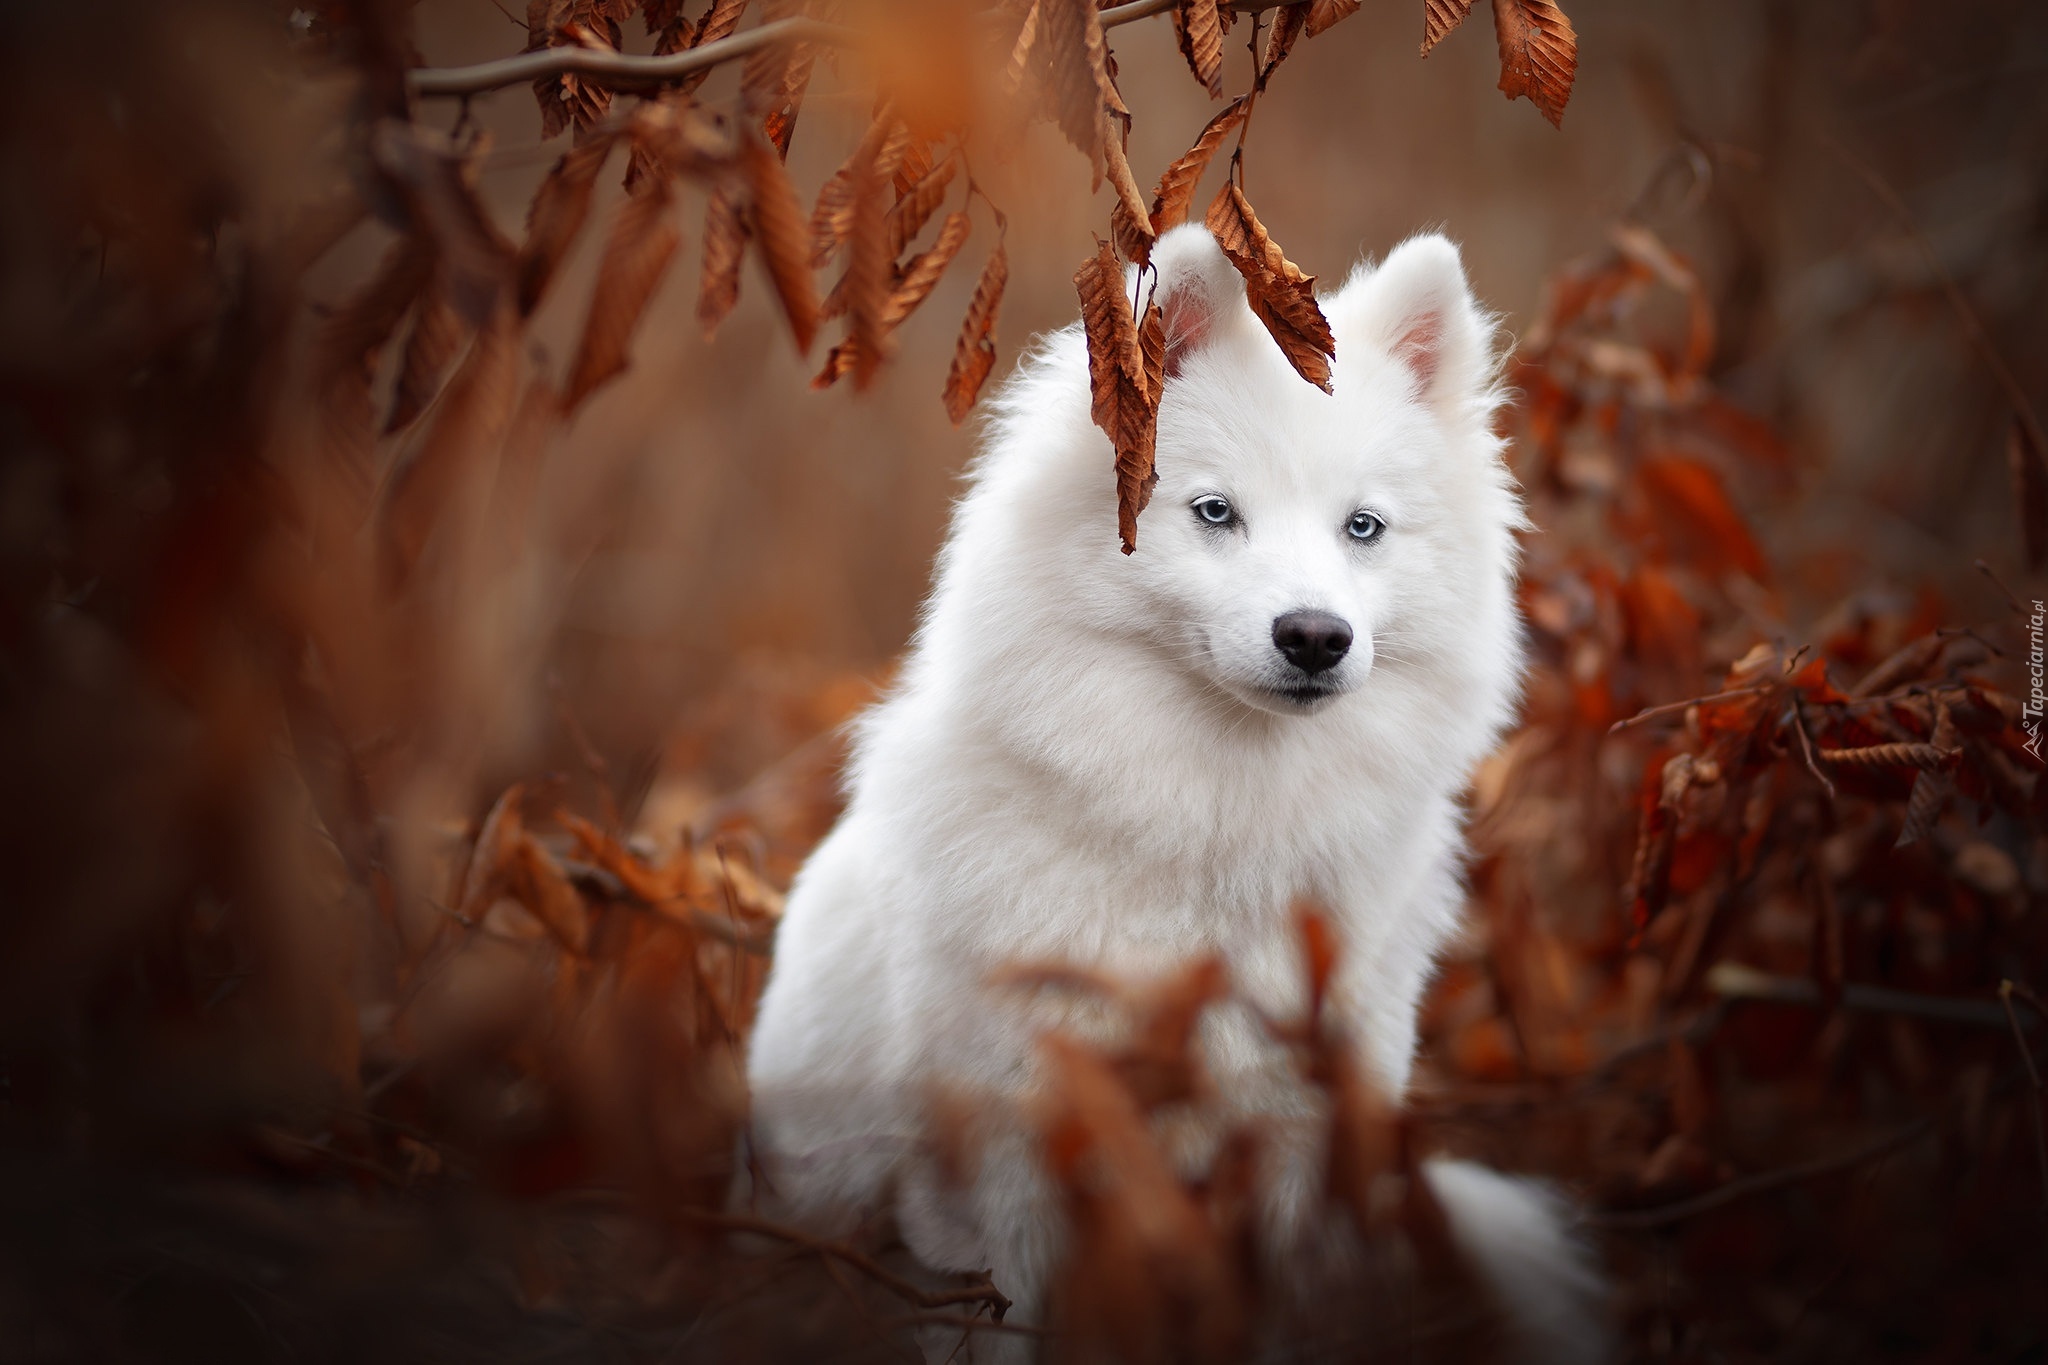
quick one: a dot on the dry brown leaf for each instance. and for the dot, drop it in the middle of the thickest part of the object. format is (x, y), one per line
(555, 217)
(1021, 54)
(1931, 787)
(350, 342)
(1130, 221)
(1287, 24)
(774, 79)
(1439, 17)
(780, 124)
(491, 857)
(1177, 185)
(974, 354)
(2030, 489)
(784, 238)
(436, 336)
(725, 246)
(1539, 54)
(1152, 350)
(1282, 297)
(543, 888)
(438, 178)
(642, 242)
(869, 279)
(567, 98)
(1322, 14)
(1121, 403)
(1200, 35)
(916, 207)
(882, 147)
(1070, 42)
(923, 270)
(722, 20)
(469, 422)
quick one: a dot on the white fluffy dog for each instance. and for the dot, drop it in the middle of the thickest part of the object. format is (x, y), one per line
(1126, 762)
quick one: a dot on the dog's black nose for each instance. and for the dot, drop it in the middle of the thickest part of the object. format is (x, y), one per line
(1312, 640)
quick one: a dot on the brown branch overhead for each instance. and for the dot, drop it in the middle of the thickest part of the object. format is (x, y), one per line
(618, 67)
(626, 69)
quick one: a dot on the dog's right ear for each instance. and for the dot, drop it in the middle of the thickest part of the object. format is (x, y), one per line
(1197, 290)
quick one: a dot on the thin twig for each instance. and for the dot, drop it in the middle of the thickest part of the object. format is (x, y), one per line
(859, 1260)
(1664, 1215)
(1806, 750)
(967, 1323)
(1734, 981)
(1670, 708)
(624, 69)
(1999, 584)
(620, 68)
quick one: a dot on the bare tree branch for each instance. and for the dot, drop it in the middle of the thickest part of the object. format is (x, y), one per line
(623, 69)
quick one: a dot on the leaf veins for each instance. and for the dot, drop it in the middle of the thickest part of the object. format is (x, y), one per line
(1200, 35)
(1322, 14)
(725, 247)
(1439, 17)
(1070, 37)
(1539, 54)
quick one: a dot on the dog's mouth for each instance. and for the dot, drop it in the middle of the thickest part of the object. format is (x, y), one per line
(1304, 695)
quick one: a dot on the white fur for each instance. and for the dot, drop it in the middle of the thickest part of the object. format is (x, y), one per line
(1083, 762)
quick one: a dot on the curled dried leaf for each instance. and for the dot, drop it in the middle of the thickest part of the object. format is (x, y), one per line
(1280, 294)
(783, 234)
(637, 253)
(1199, 32)
(1539, 54)
(438, 179)
(1069, 41)
(882, 146)
(1322, 14)
(916, 207)
(725, 246)
(468, 424)
(1122, 401)
(1287, 24)
(924, 269)
(349, 344)
(1178, 183)
(1439, 17)
(974, 354)
(436, 336)
(555, 217)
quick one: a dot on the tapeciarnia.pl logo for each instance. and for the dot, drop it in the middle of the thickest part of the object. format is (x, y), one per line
(2037, 698)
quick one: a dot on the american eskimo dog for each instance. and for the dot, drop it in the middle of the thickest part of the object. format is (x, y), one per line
(1125, 762)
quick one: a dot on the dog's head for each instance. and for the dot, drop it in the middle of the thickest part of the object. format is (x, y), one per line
(1299, 540)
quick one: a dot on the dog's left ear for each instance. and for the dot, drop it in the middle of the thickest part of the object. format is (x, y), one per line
(1418, 308)
(1199, 292)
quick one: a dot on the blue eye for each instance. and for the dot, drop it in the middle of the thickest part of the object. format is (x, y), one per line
(1364, 527)
(1215, 511)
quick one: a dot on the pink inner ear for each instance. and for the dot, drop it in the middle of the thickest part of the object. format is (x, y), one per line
(1186, 318)
(1420, 346)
